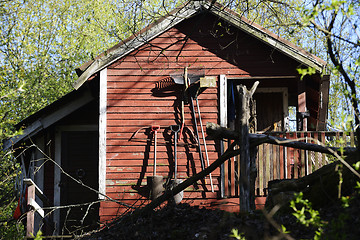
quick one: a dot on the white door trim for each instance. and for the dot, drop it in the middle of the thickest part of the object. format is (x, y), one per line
(102, 133)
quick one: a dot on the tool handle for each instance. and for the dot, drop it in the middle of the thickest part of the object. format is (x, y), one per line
(197, 133)
(155, 140)
(204, 140)
(175, 154)
(155, 128)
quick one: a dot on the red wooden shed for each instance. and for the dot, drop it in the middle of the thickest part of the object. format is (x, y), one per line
(101, 133)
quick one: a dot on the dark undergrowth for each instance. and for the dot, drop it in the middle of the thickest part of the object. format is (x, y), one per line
(340, 220)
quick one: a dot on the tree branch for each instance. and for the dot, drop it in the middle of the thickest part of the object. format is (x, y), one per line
(326, 32)
(217, 132)
(351, 83)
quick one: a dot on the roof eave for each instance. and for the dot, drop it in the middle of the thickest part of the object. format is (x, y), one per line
(190, 9)
(69, 103)
(265, 36)
(168, 22)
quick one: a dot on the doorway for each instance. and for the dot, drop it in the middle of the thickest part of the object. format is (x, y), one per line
(79, 160)
(271, 108)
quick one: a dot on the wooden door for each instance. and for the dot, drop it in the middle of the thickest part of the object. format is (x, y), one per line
(79, 157)
(269, 111)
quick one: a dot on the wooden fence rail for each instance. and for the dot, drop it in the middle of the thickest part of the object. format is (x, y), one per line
(279, 162)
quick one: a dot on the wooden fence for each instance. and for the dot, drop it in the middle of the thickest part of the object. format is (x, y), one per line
(279, 162)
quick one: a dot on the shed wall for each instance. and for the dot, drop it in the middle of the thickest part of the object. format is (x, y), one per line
(133, 102)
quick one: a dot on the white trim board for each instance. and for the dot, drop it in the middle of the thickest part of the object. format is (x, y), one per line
(102, 132)
(223, 122)
(39, 179)
(223, 100)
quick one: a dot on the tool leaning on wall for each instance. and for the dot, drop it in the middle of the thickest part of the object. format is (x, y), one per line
(192, 108)
(178, 197)
(193, 83)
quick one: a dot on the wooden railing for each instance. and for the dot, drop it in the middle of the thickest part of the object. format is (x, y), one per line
(279, 162)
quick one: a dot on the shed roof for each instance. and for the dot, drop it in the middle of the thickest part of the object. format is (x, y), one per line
(188, 10)
(46, 116)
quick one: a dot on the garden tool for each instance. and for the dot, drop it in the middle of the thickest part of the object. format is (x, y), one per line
(191, 78)
(175, 129)
(156, 182)
(205, 147)
(154, 129)
(178, 197)
(182, 109)
(195, 123)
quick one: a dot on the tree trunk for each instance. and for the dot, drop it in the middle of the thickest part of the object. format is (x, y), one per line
(247, 162)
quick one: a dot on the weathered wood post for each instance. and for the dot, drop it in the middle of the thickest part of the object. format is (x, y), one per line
(242, 126)
(30, 215)
(253, 154)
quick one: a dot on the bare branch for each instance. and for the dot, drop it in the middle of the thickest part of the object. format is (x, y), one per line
(328, 33)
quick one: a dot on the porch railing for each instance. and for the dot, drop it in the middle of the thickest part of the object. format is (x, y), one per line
(278, 162)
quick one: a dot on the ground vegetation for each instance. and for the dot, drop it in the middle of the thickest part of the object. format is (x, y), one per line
(43, 42)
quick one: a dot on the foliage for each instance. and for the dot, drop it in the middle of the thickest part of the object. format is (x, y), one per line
(41, 44)
(38, 236)
(337, 21)
(9, 228)
(306, 71)
(235, 234)
(306, 215)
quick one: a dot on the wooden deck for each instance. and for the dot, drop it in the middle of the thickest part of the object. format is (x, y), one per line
(278, 162)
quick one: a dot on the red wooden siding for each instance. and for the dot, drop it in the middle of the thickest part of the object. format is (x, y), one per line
(133, 102)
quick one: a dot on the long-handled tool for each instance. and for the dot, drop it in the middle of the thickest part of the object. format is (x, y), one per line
(184, 99)
(156, 182)
(205, 147)
(197, 134)
(179, 79)
(175, 129)
(178, 197)
(154, 129)
(186, 79)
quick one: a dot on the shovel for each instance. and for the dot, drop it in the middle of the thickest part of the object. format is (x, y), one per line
(156, 182)
(154, 129)
(178, 197)
(175, 129)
